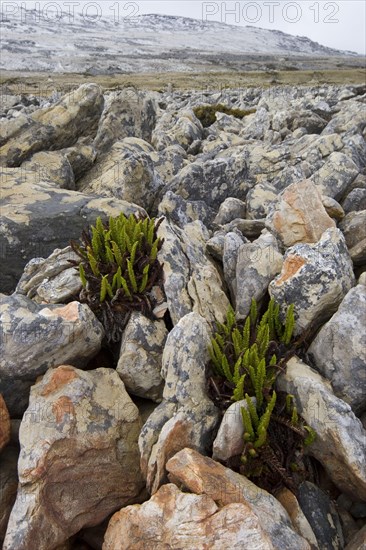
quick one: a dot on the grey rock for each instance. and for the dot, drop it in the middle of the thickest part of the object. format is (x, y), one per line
(81, 157)
(80, 427)
(340, 443)
(186, 417)
(259, 199)
(181, 212)
(355, 200)
(140, 357)
(249, 228)
(8, 484)
(339, 350)
(233, 240)
(257, 265)
(229, 210)
(52, 166)
(353, 227)
(59, 125)
(335, 176)
(321, 513)
(182, 128)
(38, 337)
(315, 278)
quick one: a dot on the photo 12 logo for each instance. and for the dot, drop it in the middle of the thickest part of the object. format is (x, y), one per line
(90, 12)
(269, 12)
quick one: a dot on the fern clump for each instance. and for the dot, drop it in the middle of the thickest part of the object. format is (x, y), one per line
(246, 359)
(118, 268)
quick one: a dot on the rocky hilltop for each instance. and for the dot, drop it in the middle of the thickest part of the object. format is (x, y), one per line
(44, 41)
(262, 193)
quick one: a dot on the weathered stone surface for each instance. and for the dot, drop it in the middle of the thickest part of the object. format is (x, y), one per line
(129, 112)
(182, 128)
(229, 210)
(259, 200)
(191, 280)
(186, 417)
(51, 280)
(299, 215)
(81, 157)
(80, 427)
(173, 519)
(126, 172)
(52, 166)
(315, 278)
(229, 439)
(249, 228)
(181, 212)
(353, 227)
(358, 541)
(333, 208)
(335, 176)
(257, 265)
(36, 338)
(4, 424)
(37, 218)
(355, 200)
(298, 519)
(8, 486)
(202, 475)
(339, 349)
(140, 356)
(340, 444)
(322, 516)
(233, 240)
(59, 125)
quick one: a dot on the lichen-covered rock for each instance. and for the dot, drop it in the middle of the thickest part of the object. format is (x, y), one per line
(52, 166)
(202, 475)
(259, 200)
(314, 277)
(126, 172)
(355, 200)
(297, 516)
(233, 240)
(335, 176)
(186, 417)
(229, 210)
(182, 128)
(353, 227)
(257, 265)
(181, 212)
(39, 217)
(340, 443)
(4, 424)
(299, 215)
(176, 520)
(37, 337)
(80, 428)
(51, 280)
(140, 357)
(339, 349)
(58, 125)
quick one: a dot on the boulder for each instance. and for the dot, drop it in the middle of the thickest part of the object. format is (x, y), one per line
(9, 486)
(79, 458)
(353, 227)
(229, 210)
(181, 212)
(339, 350)
(314, 277)
(335, 177)
(4, 424)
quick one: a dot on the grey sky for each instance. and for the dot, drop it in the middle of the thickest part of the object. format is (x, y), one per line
(339, 24)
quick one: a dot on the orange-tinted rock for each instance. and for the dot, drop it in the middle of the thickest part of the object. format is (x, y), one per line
(4, 424)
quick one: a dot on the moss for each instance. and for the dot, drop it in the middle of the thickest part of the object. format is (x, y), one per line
(207, 113)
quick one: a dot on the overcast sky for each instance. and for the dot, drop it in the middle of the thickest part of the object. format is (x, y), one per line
(340, 24)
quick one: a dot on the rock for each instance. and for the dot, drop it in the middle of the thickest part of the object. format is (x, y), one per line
(314, 277)
(335, 176)
(358, 509)
(38, 337)
(259, 200)
(186, 417)
(202, 475)
(322, 516)
(191, 280)
(257, 265)
(229, 210)
(126, 173)
(181, 212)
(215, 245)
(51, 280)
(299, 520)
(169, 162)
(229, 441)
(4, 424)
(59, 125)
(173, 519)
(37, 218)
(358, 541)
(182, 128)
(299, 215)
(80, 428)
(52, 166)
(140, 357)
(227, 177)
(333, 208)
(353, 227)
(9, 486)
(233, 240)
(129, 112)
(355, 200)
(340, 443)
(339, 350)
(81, 157)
